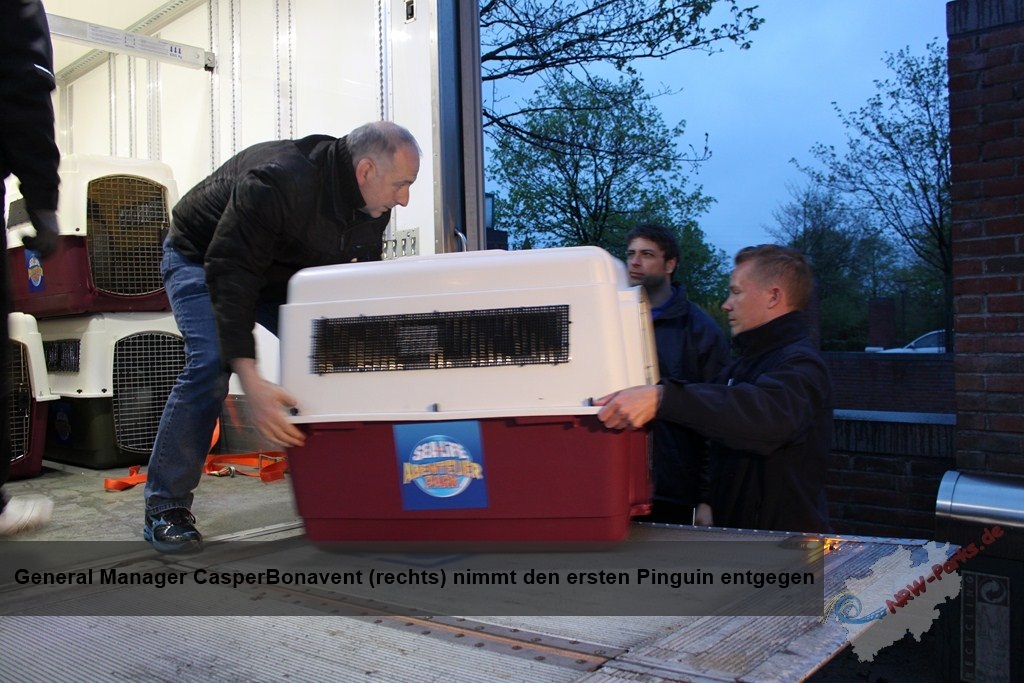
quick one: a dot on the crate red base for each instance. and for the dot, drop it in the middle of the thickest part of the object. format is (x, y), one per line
(30, 462)
(562, 478)
(67, 287)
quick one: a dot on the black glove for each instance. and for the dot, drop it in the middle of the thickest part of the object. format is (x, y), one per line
(45, 240)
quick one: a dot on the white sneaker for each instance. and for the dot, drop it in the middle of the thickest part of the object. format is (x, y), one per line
(23, 513)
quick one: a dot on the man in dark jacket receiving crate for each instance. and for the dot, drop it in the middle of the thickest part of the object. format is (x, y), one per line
(768, 414)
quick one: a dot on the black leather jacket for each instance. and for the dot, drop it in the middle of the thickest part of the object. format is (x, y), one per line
(27, 146)
(270, 210)
(769, 417)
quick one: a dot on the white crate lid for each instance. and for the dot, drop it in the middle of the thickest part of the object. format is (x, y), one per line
(474, 271)
(76, 171)
(607, 323)
(23, 329)
(97, 334)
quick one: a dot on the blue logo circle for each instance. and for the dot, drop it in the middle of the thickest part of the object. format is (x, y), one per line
(442, 467)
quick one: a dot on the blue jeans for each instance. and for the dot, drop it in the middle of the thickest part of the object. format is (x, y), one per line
(195, 403)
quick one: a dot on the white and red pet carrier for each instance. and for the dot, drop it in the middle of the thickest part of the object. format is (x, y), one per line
(30, 396)
(113, 373)
(113, 214)
(448, 397)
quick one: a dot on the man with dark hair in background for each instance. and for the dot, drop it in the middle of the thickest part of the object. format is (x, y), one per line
(691, 348)
(769, 413)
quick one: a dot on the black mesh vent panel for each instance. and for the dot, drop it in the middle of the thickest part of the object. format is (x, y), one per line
(146, 366)
(62, 355)
(125, 220)
(19, 406)
(427, 341)
(17, 213)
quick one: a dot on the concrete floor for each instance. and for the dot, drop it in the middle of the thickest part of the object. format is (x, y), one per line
(84, 510)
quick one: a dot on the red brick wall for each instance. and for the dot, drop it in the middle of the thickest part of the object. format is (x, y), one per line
(909, 383)
(884, 473)
(986, 80)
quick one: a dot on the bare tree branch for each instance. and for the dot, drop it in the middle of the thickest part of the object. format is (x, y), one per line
(521, 39)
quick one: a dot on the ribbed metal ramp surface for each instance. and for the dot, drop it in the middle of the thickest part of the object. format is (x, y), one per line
(317, 645)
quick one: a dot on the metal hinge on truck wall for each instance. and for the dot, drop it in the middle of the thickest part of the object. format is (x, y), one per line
(405, 243)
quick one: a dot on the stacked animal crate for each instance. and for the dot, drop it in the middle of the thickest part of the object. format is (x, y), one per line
(448, 397)
(111, 347)
(29, 398)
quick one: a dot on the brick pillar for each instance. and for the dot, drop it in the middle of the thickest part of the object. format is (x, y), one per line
(882, 322)
(986, 84)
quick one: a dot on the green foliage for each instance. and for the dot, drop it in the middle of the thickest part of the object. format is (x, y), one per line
(703, 268)
(585, 159)
(854, 261)
(840, 246)
(527, 38)
(896, 168)
(591, 161)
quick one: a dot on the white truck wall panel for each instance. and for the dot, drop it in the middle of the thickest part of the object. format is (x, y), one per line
(610, 339)
(89, 126)
(412, 90)
(183, 102)
(253, 81)
(336, 74)
(283, 69)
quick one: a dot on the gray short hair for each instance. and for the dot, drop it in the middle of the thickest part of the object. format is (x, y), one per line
(379, 140)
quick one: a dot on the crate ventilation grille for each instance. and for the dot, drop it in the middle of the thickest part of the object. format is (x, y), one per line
(537, 335)
(19, 403)
(126, 218)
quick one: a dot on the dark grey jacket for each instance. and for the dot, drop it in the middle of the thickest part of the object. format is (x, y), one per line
(691, 347)
(27, 146)
(769, 417)
(270, 210)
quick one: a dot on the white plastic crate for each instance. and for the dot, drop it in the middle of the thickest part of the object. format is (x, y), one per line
(466, 335)
(23, 329)
(29, 397)
(113, 214)
(460, 386)
(113, 372)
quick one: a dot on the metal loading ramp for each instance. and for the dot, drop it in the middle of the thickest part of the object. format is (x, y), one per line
(329, 634)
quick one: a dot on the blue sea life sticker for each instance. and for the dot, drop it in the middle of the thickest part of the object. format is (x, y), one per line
(441, 465)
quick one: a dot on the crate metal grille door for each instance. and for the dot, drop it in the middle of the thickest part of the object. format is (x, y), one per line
(146, 366)
(19, 404)
(537, 335)
(125, 220)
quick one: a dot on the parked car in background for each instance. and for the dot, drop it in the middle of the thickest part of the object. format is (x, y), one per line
(929, 342)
